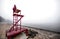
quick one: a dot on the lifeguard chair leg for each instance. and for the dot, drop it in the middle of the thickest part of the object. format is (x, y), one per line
(8, 37)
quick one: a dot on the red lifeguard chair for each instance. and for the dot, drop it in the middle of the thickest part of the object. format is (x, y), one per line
(16, 28)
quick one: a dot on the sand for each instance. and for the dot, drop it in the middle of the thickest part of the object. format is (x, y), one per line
(41, 33)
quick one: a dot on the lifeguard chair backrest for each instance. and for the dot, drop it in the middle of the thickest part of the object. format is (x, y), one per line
(16, 10)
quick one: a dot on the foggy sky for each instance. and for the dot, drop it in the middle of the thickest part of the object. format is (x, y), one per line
(34, 11)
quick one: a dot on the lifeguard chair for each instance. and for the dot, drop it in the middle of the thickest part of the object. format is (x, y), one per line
(16, 28)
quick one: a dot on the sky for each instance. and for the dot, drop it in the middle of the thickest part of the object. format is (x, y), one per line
(34, 11)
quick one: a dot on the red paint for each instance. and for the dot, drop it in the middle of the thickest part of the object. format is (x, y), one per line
(16, 28)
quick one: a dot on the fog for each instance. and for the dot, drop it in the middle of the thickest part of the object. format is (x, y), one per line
(42, 14)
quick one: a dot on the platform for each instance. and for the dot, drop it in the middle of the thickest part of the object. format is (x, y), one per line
(15, 32)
